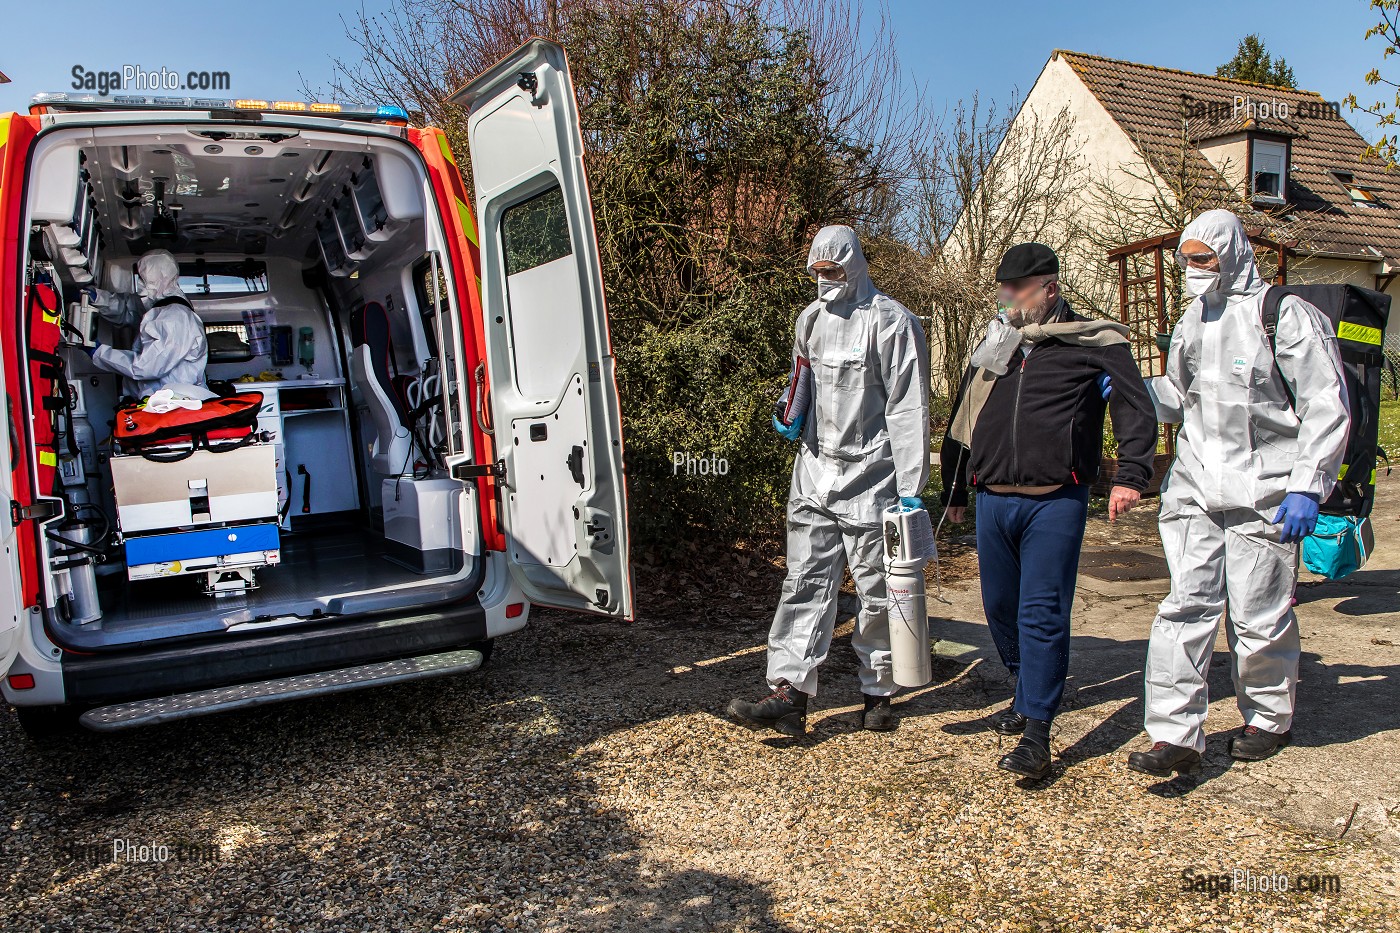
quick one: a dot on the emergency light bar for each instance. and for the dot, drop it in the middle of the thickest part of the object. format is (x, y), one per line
(64, 102)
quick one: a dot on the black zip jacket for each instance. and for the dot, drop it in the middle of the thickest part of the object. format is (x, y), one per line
(1042, 423)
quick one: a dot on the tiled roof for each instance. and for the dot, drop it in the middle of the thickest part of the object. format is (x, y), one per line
(1147, 102)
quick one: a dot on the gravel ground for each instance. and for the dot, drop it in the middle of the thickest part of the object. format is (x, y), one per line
(584, 781)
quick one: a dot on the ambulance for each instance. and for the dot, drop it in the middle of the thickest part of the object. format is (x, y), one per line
(437, 444)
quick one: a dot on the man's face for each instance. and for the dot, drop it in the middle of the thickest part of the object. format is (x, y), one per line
(1026, 300)
(830, 271)
(1197, 255)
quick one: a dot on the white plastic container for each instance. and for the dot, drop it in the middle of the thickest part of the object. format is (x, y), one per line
(909, 544)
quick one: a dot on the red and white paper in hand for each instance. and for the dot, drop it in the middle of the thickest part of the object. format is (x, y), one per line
(797, 397)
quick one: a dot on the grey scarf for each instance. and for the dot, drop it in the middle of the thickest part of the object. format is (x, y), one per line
(1095, 333)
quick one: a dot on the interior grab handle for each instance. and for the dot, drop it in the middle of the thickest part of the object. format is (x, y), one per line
(483, 422)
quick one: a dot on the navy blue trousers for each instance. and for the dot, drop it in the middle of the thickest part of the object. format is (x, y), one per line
(1028, 553)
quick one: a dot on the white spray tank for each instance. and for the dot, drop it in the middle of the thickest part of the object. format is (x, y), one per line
(909, 545)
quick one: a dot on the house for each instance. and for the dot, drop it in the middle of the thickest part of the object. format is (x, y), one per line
(1286, 160)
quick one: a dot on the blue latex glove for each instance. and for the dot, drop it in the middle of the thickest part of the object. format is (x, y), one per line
(91, 350)
(1297, 515)
(1105, 385)
(790, 431)
(911, 502)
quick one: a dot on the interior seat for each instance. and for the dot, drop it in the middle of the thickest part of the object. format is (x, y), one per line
(371, 365)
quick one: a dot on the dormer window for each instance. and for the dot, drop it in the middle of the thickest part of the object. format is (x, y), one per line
(1268, 170)
(1361, 195)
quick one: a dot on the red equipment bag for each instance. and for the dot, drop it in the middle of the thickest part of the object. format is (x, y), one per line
(46, 380)
(228, 418)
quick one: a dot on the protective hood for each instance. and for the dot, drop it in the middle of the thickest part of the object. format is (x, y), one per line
(840, 245)
(1222, 231)
(160, 275)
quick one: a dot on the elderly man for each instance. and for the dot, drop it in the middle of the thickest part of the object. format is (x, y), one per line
(1263, 433)
(1027, 432)
(863, 446)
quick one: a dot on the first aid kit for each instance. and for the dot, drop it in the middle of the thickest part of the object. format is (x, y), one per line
(1338, 546)
(218, 424)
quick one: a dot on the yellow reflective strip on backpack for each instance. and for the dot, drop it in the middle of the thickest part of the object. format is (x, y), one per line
(48, 458)
(1342, 473)
(1359, 333)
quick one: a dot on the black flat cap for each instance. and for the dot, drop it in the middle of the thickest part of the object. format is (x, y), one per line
(1025, 259)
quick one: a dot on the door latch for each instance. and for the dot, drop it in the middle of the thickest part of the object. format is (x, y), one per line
(575, 462)
(478, 470)
(41, 511)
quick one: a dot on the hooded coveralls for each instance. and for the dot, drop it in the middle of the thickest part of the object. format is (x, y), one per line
(1241, 449)
(170, 347)
(864, 444)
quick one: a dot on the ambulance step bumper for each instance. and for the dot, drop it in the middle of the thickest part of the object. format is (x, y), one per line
(203, 702)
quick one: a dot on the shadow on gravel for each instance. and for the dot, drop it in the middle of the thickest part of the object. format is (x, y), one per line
(468, 803)
(1363, 593)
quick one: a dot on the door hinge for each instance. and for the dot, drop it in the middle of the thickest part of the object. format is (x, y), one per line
(477, 470)
(42, 511)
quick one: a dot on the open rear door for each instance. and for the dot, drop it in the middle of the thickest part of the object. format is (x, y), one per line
(552, 389)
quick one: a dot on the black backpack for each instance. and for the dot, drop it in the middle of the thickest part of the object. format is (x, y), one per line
(1358, 317)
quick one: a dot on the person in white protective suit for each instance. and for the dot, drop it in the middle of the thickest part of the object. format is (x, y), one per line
(170, 348)
(1262, 436)
(863, 446)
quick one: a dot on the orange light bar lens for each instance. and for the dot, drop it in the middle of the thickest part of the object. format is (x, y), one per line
(325, 108)
(250, 104)
(288, 105)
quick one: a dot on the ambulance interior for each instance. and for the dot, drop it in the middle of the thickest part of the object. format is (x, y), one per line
(314, 261)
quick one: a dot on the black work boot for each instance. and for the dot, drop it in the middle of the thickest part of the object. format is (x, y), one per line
(1164, 759)
(1254, 744)
(1031, 756)
(878, 715)
(784, 710)
(1009, 722)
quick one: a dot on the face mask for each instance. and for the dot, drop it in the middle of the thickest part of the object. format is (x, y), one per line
(996, 349)
(1201, 281)
(829, 291)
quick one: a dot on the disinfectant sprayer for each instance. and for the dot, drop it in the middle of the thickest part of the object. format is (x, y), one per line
(909, 544)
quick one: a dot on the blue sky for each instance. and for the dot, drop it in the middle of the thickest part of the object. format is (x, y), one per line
(954, 48)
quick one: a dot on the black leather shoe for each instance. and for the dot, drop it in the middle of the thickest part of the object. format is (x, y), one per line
(1164, 759)
(1254, 744)
(878, 716)
(1029, 759)
(784, 710)
(1009, 722)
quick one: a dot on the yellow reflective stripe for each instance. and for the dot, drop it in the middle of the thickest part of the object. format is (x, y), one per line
(1359, 333)
(1342, 474)
(4, 138)
(48, 458)
(446, 149)
(464, 213)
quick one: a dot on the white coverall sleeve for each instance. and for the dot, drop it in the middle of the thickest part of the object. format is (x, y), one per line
(906, 400)
(1168, 392)
(165, 341)
(1308, 359)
